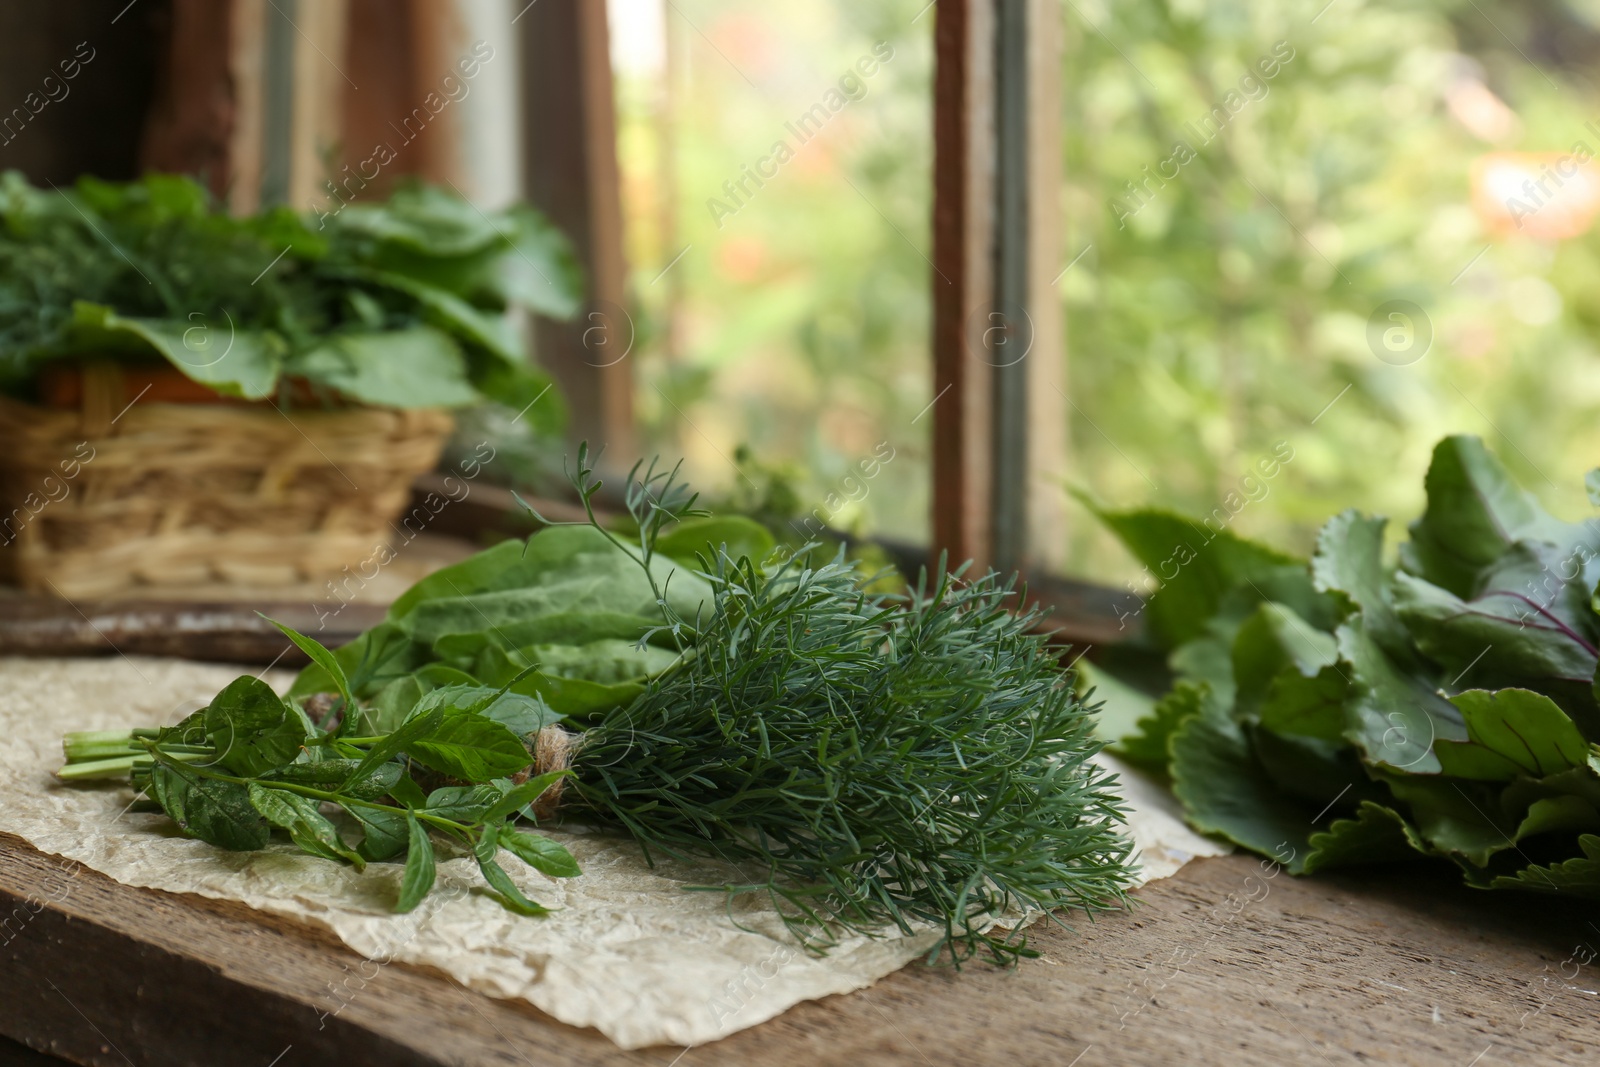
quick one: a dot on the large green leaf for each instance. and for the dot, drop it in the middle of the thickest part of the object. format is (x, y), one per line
(307, 826)
(1349, 560)
(1579, 876)
(1512, 732)
(252, 729)
(566, 627)
(1456, 816)
(1497, 634)
(567, 570)
(1148, 747)
(420, 367)
(559, 554)
(470, 746)
(1274, 639)
(1120, 706)
(1307, 707)
(1378, 834)
(1195, 566)
(1392, 716)
(491, 331)
(233, 361)
(693, 539)
(1225, 791)
(217, 812)
(1475, 512)
(542, 272)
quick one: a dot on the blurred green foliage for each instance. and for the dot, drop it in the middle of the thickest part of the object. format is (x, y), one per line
(1231, 309)
(797, 325)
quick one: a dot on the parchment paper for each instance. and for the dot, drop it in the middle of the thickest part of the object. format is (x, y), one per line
(630, 953)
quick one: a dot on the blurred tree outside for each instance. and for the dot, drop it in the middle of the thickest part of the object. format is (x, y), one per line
(787, 314)
(1222, 301)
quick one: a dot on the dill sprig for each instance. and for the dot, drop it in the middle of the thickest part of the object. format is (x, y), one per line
(875, 761)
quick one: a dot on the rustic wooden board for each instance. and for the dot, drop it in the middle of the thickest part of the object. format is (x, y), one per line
(214, 631)
(1403, 965)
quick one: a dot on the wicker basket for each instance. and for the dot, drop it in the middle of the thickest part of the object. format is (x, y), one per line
(116, 495)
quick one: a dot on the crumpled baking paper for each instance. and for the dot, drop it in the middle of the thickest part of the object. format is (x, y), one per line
(630, 952)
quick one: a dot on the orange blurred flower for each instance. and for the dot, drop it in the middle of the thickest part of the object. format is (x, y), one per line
(1547, 196)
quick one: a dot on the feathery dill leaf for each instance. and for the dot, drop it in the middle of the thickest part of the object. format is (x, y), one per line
(875, 760)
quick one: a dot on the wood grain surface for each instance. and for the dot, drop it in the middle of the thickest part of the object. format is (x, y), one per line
(1217, 965)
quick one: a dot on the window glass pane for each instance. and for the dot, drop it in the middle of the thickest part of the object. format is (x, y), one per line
(1300, 256)
(776, 183)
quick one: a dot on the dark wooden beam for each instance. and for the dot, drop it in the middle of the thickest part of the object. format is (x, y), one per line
(189, 126)
(570, 171)
(963, 440)
(222, 632)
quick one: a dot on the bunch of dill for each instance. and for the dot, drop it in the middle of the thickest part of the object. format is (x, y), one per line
(875, 761)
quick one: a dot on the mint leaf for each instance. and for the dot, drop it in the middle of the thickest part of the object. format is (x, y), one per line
(303, 818)
(321, 657)
(540, 853)
(521, 796)
(384, 832)
(504, 889)
(218, 813)
(252, 729)
(331, 774)
(464, 744)
(463, 803)
(419, 725)
(419, 875)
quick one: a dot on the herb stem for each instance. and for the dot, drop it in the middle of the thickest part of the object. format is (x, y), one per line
(318, 794)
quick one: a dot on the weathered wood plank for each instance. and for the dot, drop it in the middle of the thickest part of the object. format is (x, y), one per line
(1397, 966)
(210, 631)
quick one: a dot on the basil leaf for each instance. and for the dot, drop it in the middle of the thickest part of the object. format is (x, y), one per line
(218, 813)
(420, 873)
(302, 817)
(540, 853)
(252, 729)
